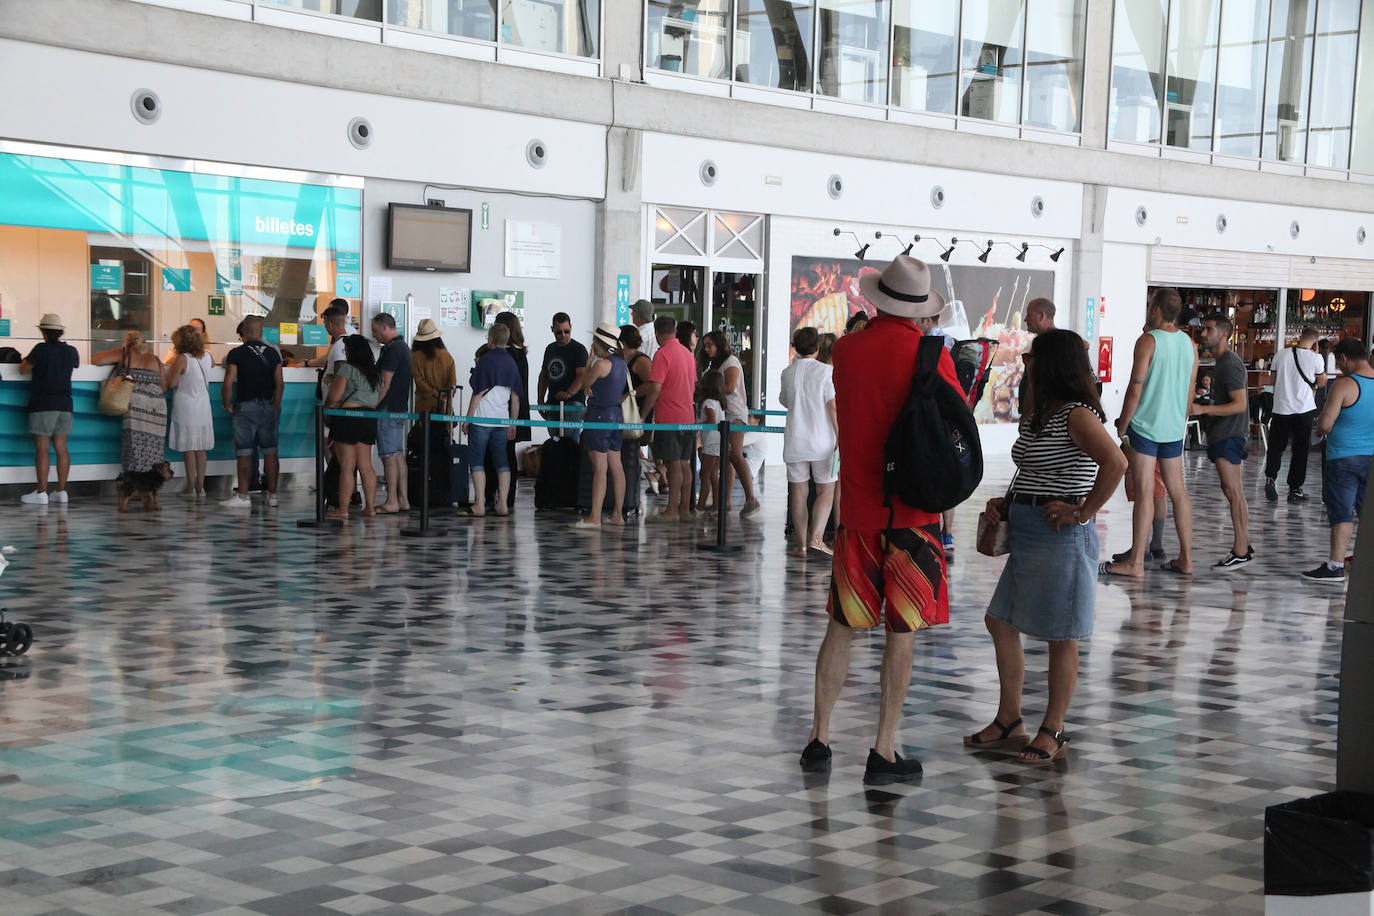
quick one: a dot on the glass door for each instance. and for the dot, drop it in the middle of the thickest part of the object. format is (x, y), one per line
(735, 311)
(677, 292)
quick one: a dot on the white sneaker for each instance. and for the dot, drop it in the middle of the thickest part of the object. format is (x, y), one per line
(60, 497)
(237, 502)
(36, 498)
(272, 499)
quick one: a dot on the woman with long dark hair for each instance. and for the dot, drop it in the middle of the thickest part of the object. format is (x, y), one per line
(719, 355)
(356, 386)
(1067, 467)
(518, 352)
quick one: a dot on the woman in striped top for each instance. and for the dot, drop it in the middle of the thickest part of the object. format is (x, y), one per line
(1067, 467)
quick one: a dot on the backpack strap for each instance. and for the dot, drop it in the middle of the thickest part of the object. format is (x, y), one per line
(928, 355)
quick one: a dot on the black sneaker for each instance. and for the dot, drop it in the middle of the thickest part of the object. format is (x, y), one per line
(1233, 559)
(881, 773)
(815, 757)
(1325, 573)
(1297, 496)
(1271, 490)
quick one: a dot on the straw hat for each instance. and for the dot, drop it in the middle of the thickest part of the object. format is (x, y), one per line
(51, 322)
(426, 330)
(903, 289)
(609, 335)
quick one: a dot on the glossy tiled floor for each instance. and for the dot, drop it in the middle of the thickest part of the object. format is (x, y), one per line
(224, 714)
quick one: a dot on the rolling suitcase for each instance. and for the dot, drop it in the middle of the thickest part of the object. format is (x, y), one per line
(559, 461)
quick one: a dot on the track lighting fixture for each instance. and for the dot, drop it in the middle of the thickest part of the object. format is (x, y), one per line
(944, 255)
(983, 258)
(1025, 247)
(1055, 257)
(862, 253)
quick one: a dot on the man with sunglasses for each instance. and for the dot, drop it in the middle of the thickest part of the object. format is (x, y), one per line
(565, 361)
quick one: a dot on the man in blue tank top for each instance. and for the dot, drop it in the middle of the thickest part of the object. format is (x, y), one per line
(1347, 421)
(1152, 424)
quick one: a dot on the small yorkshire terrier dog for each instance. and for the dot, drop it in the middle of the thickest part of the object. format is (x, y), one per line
(143, 484)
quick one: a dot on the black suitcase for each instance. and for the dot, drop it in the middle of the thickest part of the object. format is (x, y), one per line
(440, 479)
(556, 485)
(629, 460)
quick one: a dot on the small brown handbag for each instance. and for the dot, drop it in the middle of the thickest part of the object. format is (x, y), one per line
(117, 390)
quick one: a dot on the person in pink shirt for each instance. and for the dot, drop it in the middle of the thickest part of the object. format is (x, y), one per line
(668, 398)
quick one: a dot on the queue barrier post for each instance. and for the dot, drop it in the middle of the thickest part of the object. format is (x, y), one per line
(318, 521)
(424, 531)
(722, 544)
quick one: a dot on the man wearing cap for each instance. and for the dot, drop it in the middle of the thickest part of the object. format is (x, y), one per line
(889, 572)
(642, 314)
(394, 366)
(50, 407)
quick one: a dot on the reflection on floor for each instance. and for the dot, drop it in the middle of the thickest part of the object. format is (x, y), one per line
(225, 714)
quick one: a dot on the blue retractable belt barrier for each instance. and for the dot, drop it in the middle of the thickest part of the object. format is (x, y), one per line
(767, 413)
(370, 414)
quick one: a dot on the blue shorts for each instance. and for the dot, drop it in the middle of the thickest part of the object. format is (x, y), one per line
(1343, 485)
(484, 439)
(602, 440)
(1231, 449)
(391, 437)
(1153, 449)
(255, 426)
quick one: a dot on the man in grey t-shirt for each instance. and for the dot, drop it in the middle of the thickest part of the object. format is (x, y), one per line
(1228, 436)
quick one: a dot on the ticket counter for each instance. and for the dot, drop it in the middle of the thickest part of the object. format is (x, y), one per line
(95, 437)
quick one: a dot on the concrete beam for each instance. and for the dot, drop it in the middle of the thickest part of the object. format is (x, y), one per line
(216, 43)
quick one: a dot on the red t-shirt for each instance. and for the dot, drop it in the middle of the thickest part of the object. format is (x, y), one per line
(676, 371)
(873, 372)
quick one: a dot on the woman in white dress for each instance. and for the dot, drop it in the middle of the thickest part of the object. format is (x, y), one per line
(192, 429)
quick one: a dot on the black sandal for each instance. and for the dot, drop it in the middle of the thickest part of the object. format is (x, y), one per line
(1005, 740)
(1039, 756)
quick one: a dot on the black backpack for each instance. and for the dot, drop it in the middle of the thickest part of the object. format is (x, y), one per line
(933, 459)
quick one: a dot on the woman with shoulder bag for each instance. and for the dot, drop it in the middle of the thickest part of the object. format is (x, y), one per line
(1067, 466)
(144, 435)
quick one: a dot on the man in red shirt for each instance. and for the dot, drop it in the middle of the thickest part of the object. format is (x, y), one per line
(885, 571)
(669, 396)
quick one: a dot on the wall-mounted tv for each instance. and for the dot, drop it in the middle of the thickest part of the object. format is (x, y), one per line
(428, 238)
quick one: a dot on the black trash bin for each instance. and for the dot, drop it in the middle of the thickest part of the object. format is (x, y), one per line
(1320, 845)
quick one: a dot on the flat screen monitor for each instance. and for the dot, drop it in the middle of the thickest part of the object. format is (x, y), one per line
(429, 238)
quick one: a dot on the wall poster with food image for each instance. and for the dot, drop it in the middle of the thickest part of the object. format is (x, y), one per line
(983, 302)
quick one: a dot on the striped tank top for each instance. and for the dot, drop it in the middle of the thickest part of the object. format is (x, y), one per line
(1051, 463)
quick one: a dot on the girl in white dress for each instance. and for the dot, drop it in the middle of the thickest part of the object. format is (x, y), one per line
(192, 429)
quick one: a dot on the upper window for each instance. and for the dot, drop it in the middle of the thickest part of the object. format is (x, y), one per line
(1014, 61)
(558, 26)
(1258, 78)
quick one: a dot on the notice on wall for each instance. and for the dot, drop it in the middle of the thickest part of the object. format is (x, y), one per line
(176, 279)
(487, 304)
(347, 285)
(288, 333)
(533, 250)
(4, 327)
(378, 291)
(396, 310)
(107, 277)
(271, 335)
(314, 335)
(453, 306)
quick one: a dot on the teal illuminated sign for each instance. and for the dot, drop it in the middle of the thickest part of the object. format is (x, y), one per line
(168, 204)
(176, 279)
(107, 277)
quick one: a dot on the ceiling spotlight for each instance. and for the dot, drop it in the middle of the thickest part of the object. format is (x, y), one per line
(1025, 247)
(862, 253)
(944, 255)
(1055, 257)
(987, 251)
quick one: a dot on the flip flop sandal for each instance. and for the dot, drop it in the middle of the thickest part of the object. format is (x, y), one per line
(1040, 757)
(466, 512)
(1004, 741)
(1104, 570)
(1173, 567)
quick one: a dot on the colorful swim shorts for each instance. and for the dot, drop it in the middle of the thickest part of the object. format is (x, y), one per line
(901, 570)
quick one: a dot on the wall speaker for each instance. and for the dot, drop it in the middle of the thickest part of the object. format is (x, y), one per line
(1037, 207)
(708, 173)
(1360, 236)
(147, 107)
(537, 154)
(1142, 216)
(937, 197)
(360, 133)
(1294, 230)
(1221, 222)
(834, 186)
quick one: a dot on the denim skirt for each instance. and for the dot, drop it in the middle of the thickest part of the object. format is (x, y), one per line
(1048, 588)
